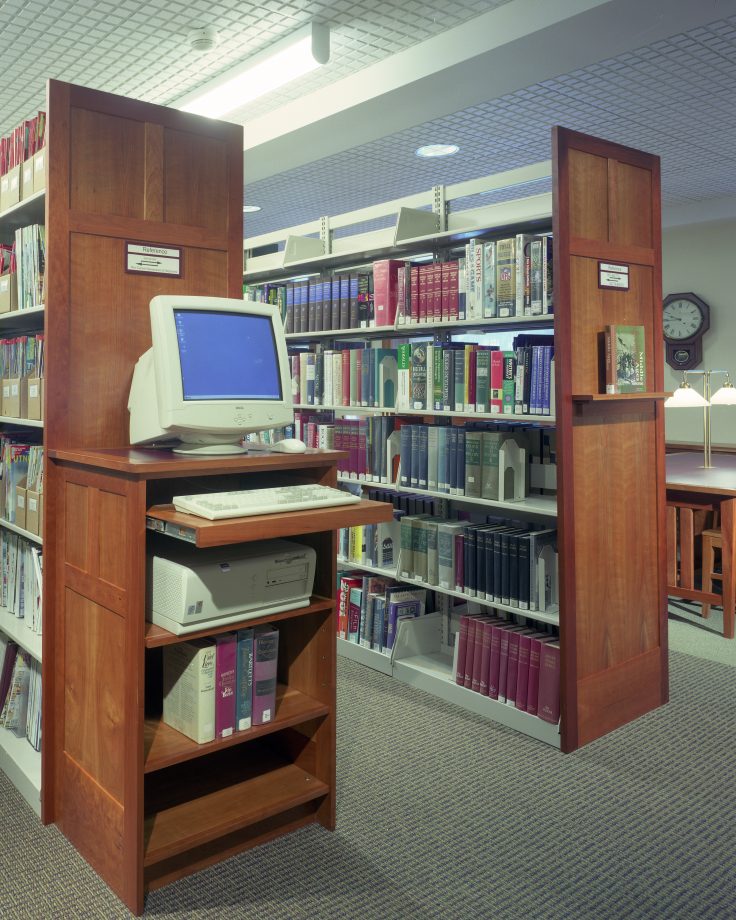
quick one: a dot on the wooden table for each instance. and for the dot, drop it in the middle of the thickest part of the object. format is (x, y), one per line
(686, 478)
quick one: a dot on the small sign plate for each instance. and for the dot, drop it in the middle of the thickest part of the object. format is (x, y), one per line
(150, 259)
(613, 276)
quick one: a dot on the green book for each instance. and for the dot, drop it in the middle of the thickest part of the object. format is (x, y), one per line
(473, 453)
(403, 396)
(482, 380)
(626, 364)
(419, 375)
(509, 382)
(490, 446)
(437, 372)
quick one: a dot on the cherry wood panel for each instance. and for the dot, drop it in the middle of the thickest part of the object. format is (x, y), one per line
(200, 806)
(164, 746)
(153, 189)
(193, 190)
(611, 530)
(95, 692)
(107, 163)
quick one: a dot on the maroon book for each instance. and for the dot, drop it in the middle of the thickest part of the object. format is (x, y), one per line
(485, 661)
(226, 646)
(504, 661)
(480, 640)
(548, 705)
(470, 652)
(512, 669)
(494, 662)
(522, 674)
(532, 692)
(385, 295)
(462, 645)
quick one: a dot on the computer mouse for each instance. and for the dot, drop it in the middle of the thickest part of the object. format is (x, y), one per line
(289, 446)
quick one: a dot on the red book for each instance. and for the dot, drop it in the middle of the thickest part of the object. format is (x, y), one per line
(346, 376)
(496, 382)
(470, 653)
(486, 653)
(225, 666)
(362, 445)
(385, 290)
(462, 645)
(423, 292)
(437, 292)
(522, 674)
(354, 443)
(512, 669)
(414, 294)
(532, 691)
(548, 705)
(343, 603)
(480, 640)
(494, 662)
(503, 662)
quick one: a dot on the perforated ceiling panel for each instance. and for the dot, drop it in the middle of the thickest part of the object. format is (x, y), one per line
(140, 49)
(676, 98)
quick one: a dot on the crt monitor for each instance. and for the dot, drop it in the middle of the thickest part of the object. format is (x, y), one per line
(217, 369)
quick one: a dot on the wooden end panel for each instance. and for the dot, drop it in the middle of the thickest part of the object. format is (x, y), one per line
(93, 821)
(616, 542)
(107, 157)
(630, 186)
(94, 692)
(113, 552)
(616, 696)
(194, 191)
(111, 306)
(593, 308)
(76, 519)
(588, 191)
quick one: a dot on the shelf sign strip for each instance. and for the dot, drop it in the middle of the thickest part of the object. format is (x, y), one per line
(613, 276)
(150, 259)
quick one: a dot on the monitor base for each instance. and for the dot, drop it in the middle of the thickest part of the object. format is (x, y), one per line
(209, 450)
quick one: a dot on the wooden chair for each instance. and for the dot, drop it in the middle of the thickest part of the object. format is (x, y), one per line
(712, 541)
(686, 522)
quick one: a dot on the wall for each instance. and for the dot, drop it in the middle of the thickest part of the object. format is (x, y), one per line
(701, 258)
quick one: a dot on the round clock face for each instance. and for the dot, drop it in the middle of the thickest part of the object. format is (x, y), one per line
(682, 319)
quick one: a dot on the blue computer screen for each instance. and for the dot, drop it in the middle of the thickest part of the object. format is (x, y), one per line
(227, 355)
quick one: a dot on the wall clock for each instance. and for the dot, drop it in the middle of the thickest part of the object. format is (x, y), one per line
(685, 319)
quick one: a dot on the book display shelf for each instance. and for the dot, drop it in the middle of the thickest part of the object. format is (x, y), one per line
(604, 212)
(141, 802)
(18, 758)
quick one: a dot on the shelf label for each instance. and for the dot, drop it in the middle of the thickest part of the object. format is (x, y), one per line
(149, 259)
(612, 276)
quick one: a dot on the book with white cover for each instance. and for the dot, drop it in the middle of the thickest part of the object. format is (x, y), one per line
(189, 689)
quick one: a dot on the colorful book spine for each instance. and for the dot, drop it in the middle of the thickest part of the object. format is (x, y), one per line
(265, 666)
(225, 668)
(244, 701)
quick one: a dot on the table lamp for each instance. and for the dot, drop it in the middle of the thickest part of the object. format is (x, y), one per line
(686, 397)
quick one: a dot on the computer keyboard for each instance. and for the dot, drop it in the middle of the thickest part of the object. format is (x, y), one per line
(246, 502)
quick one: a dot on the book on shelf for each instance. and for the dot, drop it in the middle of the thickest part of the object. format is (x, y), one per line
(626, 365)
(244, 680)
(189, 688)
(548, 704)
(265, 667)
(226, 649)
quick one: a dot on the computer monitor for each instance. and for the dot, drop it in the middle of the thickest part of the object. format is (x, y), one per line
(217, 369)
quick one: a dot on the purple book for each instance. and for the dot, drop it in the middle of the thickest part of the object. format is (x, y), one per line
(265, 666)
(226, 654)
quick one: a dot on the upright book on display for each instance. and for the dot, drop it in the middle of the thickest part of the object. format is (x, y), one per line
(626, 366)
(189, 688)
(265, 666)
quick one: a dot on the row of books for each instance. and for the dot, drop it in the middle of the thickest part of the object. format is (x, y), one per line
(516, 665)
(216, 686)
(20, 692)
(23, 142)
(496, 278)
(22, 356)
(474, 461)
(21, 466)
(370, 607)
(21, 566)
(30, 255)
(442, 377)
(501, 561)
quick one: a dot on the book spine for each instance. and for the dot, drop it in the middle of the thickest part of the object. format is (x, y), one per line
(489, 280)
(265, 666)
(244, 706)
(512, 668)
(522, 674)
(548, 704)
(494, 661)
(226, 664)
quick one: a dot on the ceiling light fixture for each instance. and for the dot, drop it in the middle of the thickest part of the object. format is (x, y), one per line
(437, 150)
(251, 208)
(303, 51)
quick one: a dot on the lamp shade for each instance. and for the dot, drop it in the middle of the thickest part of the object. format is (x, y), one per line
(726, 396)
(685, 397)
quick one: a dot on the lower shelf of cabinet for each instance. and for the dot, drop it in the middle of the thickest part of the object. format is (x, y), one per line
(199, 806)
(22, 765)
(164, 746)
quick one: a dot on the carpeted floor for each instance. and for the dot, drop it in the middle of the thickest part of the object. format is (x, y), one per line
(444, 815)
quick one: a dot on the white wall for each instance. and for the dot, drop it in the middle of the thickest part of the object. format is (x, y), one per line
(702, 258)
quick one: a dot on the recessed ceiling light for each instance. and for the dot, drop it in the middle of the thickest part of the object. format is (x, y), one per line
(251, 208)
(437, 150)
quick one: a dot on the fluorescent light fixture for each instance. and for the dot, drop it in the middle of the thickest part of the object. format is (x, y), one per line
(303, 51)
(251, 208)
(437, 150)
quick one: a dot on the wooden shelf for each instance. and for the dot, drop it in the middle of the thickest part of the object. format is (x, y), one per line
(164, 746)
(203, 532)
(157, 636)
(196, 806)
(616, 397)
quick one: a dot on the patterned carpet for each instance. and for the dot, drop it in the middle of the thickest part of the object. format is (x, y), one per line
(444, 815)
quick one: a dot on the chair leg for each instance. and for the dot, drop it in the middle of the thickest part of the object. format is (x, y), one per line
(708, 557)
